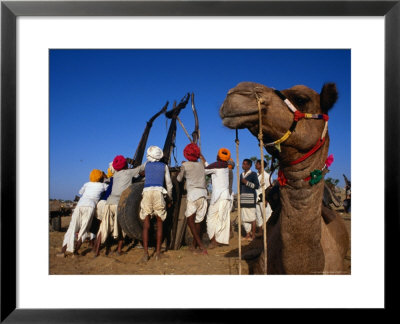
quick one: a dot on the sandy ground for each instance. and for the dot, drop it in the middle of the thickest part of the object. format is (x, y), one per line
(221, 260)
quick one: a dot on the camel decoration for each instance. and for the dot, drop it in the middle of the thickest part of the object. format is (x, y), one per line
(294, 125)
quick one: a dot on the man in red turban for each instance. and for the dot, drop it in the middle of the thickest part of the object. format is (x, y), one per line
(119, 163)
(191, 152)
(109, 225)
(196, 206)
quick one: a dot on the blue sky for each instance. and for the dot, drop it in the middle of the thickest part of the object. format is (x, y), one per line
(100, 101)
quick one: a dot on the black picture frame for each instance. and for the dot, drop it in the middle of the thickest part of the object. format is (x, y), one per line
(10, 10)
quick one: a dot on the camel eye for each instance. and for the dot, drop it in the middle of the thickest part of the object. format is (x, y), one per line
(300, 101)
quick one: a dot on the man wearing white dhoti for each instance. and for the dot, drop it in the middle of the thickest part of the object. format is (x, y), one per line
(259, 205)
(196, 207)
(231, 166)
(153, 202)
(218, 217)
(248, 185)
(100, 207)
(109, 225)
(81, 218)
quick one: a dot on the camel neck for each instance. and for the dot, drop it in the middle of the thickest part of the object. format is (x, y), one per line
(301, 221)
(300, 216)
(300, 229)
(300, 197)
(295, 174)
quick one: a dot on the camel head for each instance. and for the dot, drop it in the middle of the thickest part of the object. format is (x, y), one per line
(240, 110)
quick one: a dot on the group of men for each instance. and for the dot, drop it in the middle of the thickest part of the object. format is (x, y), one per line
(101, 195)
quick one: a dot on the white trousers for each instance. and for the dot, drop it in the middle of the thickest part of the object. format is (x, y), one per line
(259, 215)
(218, 221)
(198, 207)
(248, 216)
(100, 208)
(80, 222)
(88, 234)
(109, 224)
(99, 215)
(153, 203)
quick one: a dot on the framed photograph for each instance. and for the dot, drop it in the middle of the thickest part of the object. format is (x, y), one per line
(36, 34)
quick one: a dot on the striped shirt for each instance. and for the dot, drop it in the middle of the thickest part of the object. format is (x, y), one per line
(248, 196)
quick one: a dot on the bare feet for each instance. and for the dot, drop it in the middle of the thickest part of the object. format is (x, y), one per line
(201, 252)
(160, 256)
(60, 255)
(192, 248)
(144, 258)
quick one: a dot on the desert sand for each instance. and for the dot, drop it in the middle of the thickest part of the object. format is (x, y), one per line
(222, 260)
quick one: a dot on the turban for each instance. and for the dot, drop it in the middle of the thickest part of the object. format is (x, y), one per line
(96, 175)
(110, 170)
(154, 153)
(191, 152)
(109, 173)
(119, 163)
(231, 164)
(224, 154)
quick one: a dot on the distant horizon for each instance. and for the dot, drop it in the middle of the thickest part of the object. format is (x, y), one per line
(100, 101)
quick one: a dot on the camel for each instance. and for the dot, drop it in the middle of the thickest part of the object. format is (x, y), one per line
(299, 240)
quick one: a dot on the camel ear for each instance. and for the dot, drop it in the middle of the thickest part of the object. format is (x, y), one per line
(328, 96)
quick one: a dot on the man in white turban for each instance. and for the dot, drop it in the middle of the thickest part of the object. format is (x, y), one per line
(154, 154)
(153, 202)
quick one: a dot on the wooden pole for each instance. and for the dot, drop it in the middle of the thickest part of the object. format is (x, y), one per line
(184, 129)
(238, 199)
(260, 137)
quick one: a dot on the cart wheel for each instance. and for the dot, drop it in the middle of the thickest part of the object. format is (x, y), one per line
(129, 209)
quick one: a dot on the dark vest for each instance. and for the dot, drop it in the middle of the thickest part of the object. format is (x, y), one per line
(248, 196)
(154, 174)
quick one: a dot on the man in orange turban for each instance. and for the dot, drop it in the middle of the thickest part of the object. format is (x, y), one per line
(96, 175)
(82, 216)
(224, 154)
(218, 217)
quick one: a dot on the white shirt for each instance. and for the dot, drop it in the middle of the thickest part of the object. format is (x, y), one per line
(91, 192)
(245, 174)
(220, 184)
(266, 182)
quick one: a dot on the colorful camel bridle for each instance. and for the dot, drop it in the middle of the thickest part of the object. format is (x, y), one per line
(298, 115)
(316, 175)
